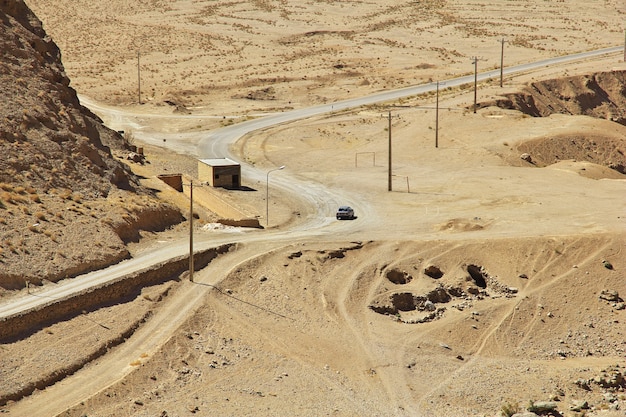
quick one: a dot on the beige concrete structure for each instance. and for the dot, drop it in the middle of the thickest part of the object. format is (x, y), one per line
(220, 172)
(173, 180)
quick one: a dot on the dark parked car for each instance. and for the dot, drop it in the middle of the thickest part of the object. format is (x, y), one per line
(345, 212)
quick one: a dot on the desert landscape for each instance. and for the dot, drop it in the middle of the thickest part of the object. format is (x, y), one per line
(488, 281)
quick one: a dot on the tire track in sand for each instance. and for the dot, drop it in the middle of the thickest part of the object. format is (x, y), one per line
(506, 316)
(116, 365)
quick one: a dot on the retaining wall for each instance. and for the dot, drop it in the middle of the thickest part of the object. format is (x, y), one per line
(124, 288)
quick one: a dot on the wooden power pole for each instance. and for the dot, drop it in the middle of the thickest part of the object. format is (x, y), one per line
(475, 60)
(138, 77)
(389, 175)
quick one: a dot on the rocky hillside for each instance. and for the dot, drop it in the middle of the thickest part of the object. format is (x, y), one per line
(601, 95)
(66, 205)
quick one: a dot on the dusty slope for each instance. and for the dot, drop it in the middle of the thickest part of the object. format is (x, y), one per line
(293, 333)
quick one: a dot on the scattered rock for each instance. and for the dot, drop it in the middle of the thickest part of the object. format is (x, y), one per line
(135, 157)
(526, 157)
(609, 295)
(610, 378)
(541, 407)
(579, 405)
(582, 383)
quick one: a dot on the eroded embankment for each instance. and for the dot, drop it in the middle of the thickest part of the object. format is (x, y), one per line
(124, 289)
(600, 95)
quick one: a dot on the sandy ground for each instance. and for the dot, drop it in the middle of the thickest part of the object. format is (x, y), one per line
(335, 321)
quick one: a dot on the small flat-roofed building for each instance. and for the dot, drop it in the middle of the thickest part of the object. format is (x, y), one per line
(220, 172)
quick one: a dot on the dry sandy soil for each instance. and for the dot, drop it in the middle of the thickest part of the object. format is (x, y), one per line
(475, 284)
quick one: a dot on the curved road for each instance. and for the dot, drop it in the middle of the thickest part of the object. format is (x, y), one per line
(217, 143)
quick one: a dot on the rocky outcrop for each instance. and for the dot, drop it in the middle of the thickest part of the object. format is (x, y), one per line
(48, 139)
(599, 95)
(61, 190)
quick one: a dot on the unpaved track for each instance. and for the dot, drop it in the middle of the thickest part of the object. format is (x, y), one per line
(123, 359)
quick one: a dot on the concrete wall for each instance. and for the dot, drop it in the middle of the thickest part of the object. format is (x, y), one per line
(229, 177)
(230, 214)
(173, 180)
(205, 173)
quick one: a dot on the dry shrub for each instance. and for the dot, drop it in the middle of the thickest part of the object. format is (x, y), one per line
(6, 187)
(12, 198)
(65, 194)
(40, 215)
(510, 408)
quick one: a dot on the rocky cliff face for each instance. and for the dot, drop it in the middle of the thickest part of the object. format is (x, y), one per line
(48, 139)
(62, 194)
(599, 95)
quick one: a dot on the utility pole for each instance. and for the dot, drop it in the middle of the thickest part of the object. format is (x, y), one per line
(502, 63)
(389, 175)
(191, 266)
(475, 60)
(437, 118)
(138, 77)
